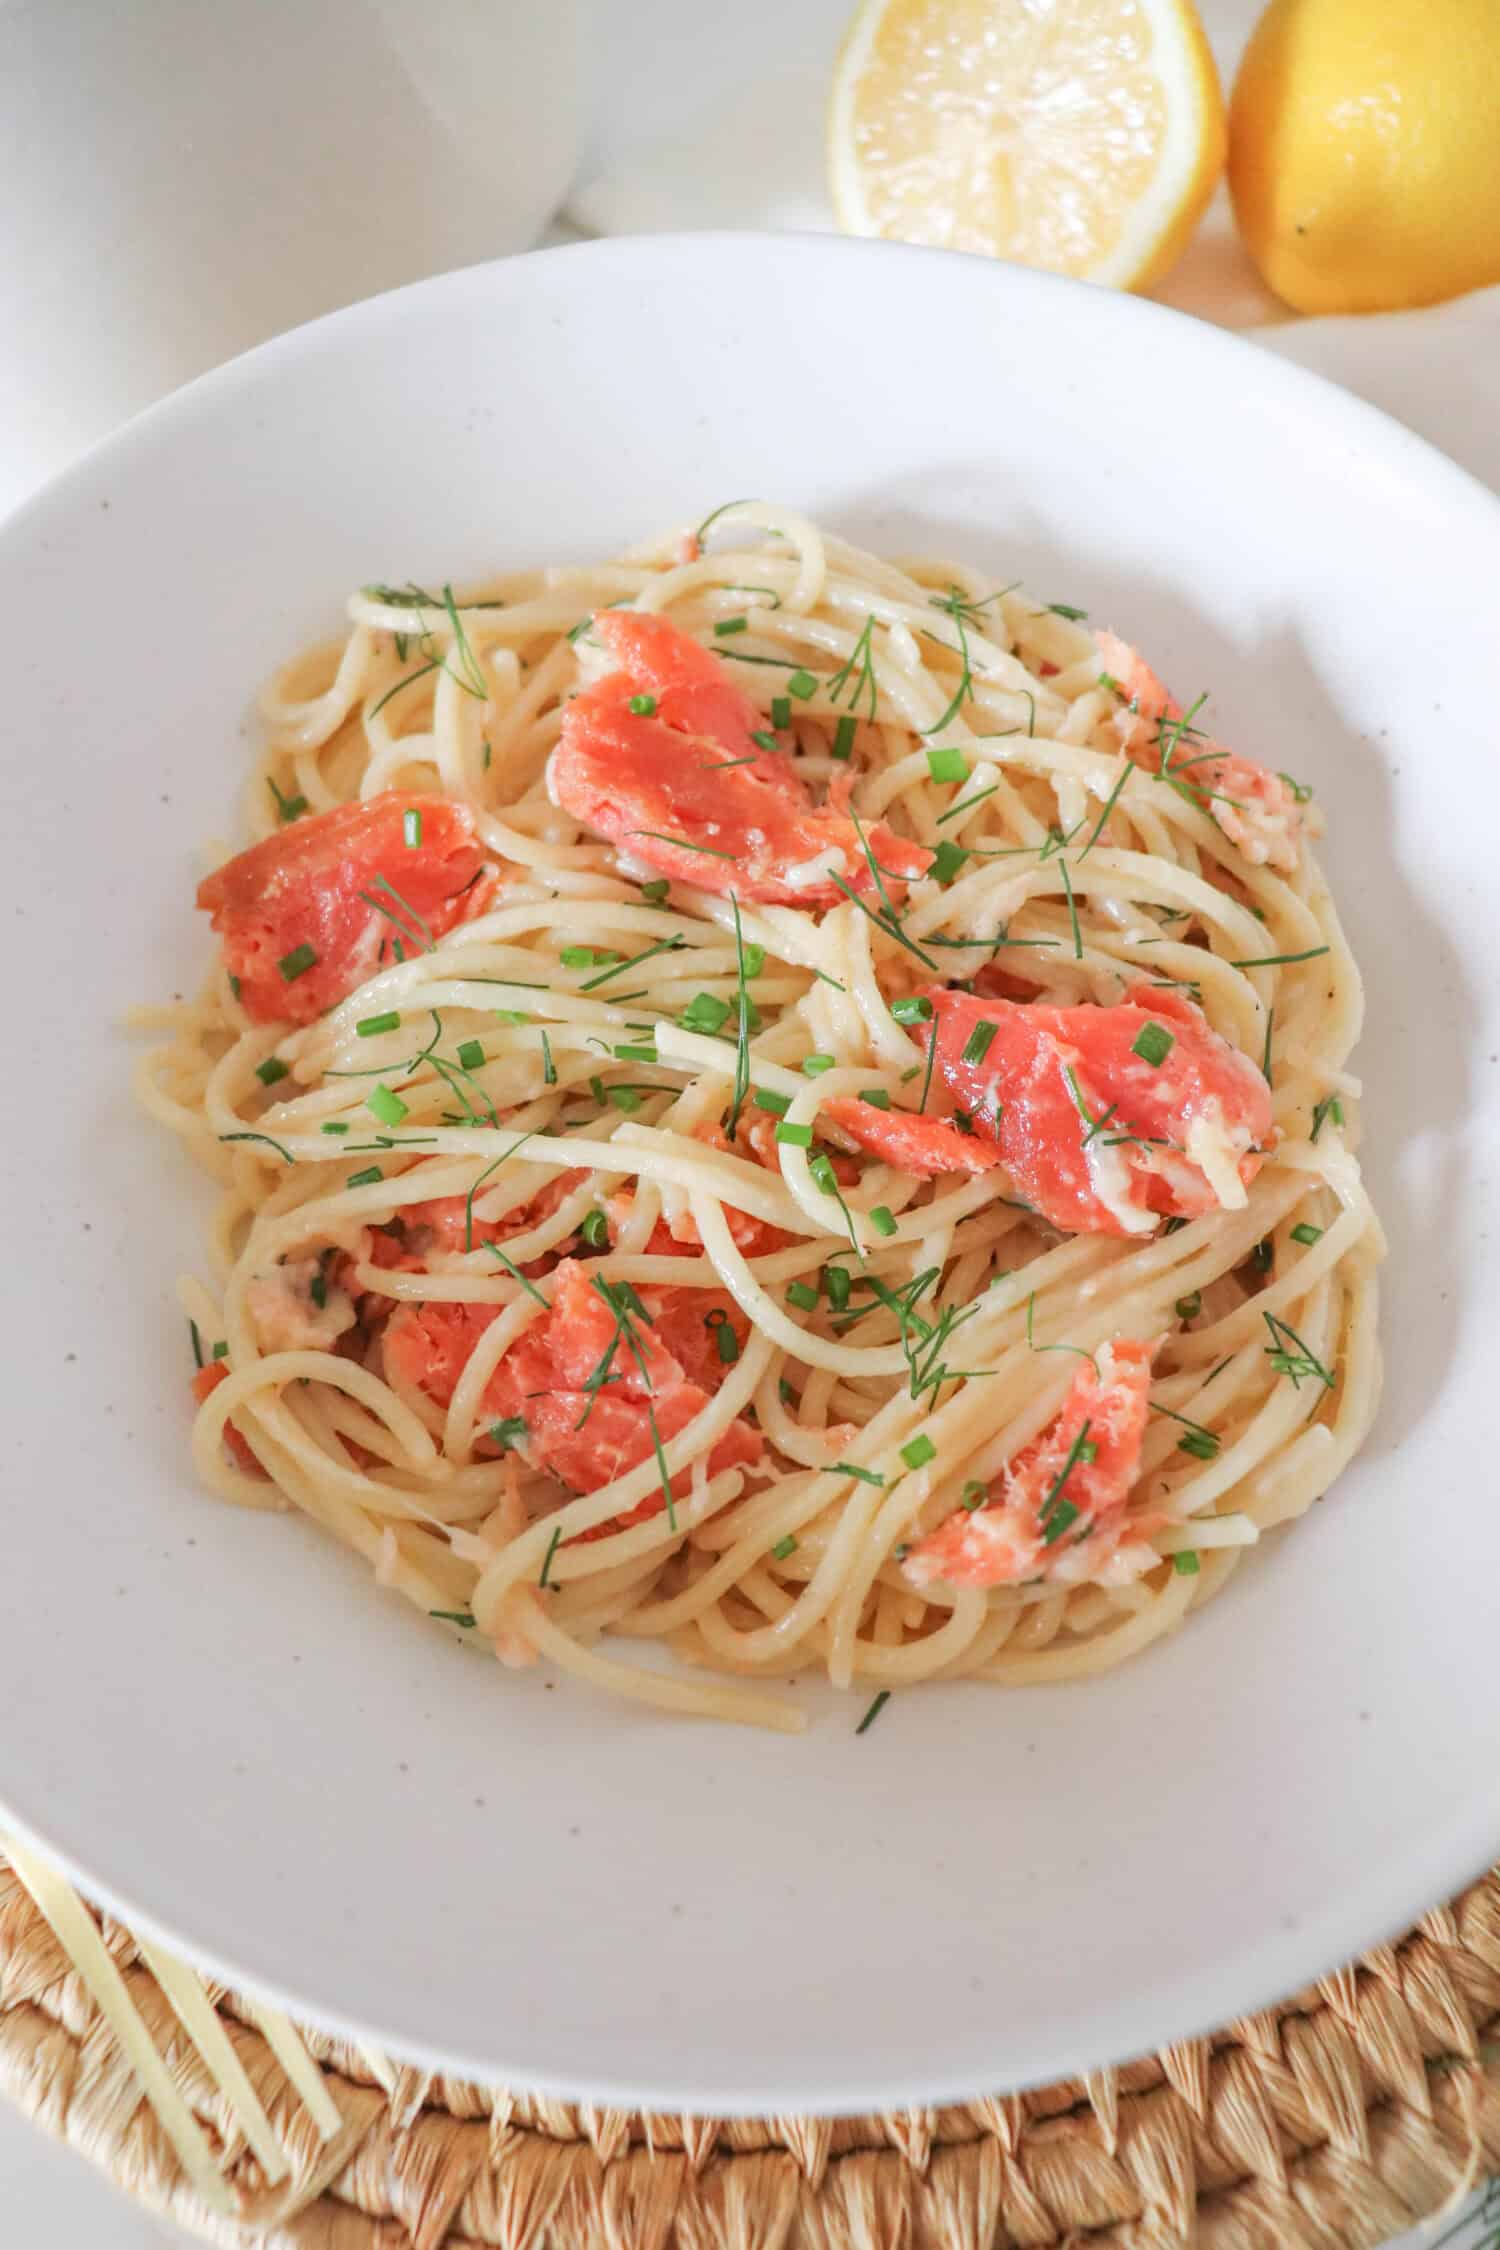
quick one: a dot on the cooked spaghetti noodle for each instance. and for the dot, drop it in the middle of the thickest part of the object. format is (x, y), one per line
(604, 1138)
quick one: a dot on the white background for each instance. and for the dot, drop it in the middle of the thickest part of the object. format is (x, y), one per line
(699, 121)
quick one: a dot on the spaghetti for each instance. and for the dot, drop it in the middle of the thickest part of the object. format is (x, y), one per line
(778, 1104)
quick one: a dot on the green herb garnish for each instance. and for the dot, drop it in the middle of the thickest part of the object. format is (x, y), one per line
(1153, 1043)
(287, 808)
(1290, 1356)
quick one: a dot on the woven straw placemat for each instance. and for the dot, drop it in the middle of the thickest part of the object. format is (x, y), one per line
(1330, 2123)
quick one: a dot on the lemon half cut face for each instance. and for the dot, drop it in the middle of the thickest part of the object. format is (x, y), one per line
(1083, 137)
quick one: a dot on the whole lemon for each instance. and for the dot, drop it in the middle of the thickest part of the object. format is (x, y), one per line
(1364, 151)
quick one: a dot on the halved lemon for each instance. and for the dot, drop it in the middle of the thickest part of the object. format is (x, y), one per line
(1082, 136)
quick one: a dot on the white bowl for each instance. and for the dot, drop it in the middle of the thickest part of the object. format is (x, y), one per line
(220, 1724)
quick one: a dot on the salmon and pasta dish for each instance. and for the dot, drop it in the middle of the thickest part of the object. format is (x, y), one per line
(780, 1111)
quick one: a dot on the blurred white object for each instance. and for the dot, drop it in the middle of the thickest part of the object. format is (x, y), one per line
(183, 180)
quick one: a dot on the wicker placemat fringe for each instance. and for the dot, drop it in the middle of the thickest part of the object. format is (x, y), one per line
(1357, 2108)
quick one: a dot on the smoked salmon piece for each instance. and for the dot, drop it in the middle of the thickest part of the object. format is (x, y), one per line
(1255, 808)
(309, 913)
(584, 1425)
(1103, 1117)
(1069, 1485)
(921, 1145)
(661, 758)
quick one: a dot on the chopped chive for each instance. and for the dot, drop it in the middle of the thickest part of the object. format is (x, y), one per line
(367, 1178)
(1189, 1307)
(1153, 1043)
(587, 956)
(333, 1125)
(763, 740)
(917, 1009)
(1263, 1256)
(624, 1097)
(511, 1016)
(705, 1012)
(549, 1067)
(783, 1548)
(843, 737)
(813, 1066)
(640, 1054)
(1301, 790)
(234, 986)
(596, 1087)
(507, 1432)
(802, 685)
(879, 1704)
(728, 625)
(918, 1451)
(836, 1285)
(784, 1391)
(823, 1173)
(1307, 1234)
(370, 1027)
(849, 1469)
(882, 1219)
(287, 808)
(1067, 884)
(947, 861)
(979, 1042)
(755, 960)
(799, 1294)
(654, 893)
(1330, 1106)
(271, 1069)
(463, 1617)
(794, 1136)
(1066, 609)
(471, 1055)
(411, 827)
(595, 1230)
(974, 1495)
(297, 963)
(643, 706)
(1060, 1516)
(1203, 1445)
(1279, 960)
(781, 711)
(388, 1107)
(947, 765)
(1185, 1562)
(876, 1096)
(551, 1551)
(726, 1343)
(1265, 1057)
(775, 1105)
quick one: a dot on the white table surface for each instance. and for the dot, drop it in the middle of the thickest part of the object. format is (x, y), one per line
(687, 109)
